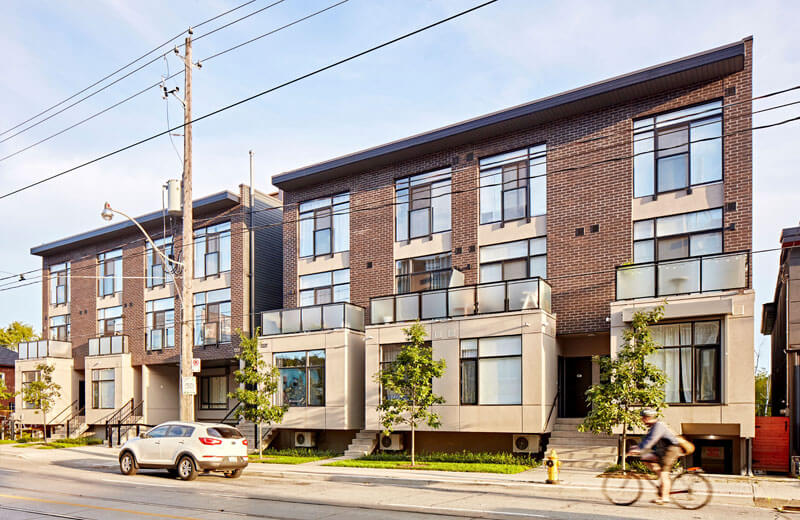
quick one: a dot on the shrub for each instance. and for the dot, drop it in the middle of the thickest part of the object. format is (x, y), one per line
(460, 457)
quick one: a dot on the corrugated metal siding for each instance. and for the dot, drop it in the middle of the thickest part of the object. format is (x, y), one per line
(268, 261)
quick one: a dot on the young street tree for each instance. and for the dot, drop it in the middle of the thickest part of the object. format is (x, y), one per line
(5, 394)
(42, 392)
(16, 332)
(258, 383)
(407, 385)
(628, 382)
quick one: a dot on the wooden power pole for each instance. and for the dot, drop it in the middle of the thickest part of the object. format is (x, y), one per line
(187, 385)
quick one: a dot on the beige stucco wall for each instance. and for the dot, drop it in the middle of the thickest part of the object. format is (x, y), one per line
(498, 233)
(344, 385)
(430, 245)
(735, 308)
(320, 264)
(212, 283)
(63, 375)
(539, 368)
(160, 392)
(673, 203)
(215, 415)
(124, 382)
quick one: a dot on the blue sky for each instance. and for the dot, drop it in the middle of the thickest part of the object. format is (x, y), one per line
(505, 54)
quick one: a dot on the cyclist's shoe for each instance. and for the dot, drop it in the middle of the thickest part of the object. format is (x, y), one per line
(660, 501)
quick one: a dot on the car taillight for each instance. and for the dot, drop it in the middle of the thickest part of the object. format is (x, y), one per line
(244, 441)
(210, 441)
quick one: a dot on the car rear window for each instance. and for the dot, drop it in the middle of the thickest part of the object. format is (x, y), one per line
(223, 432)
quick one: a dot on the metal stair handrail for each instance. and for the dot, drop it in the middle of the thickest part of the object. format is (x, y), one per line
(59, 414)
(552, 407)
(230, 418)
(73, 421)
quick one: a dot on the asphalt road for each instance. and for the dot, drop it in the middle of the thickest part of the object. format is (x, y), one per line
(32, 485)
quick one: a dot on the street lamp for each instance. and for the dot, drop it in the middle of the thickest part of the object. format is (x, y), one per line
(186, 401)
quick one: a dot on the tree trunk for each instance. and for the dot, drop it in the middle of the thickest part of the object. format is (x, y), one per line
(258, 440)
(412, 444)
(624, 451)
(44, 426)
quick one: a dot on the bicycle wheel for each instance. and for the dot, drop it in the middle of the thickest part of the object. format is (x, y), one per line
(623, 491)
(691, 490)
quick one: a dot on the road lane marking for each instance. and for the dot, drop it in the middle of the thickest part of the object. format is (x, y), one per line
(410, 508)
(116, 481)
(99, 508)
(10, 470)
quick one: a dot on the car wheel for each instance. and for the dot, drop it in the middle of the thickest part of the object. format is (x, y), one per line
(127, 464)
(186, 469)
(234, 474)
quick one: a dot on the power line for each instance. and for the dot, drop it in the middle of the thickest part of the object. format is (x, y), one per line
(140, 92)
(110, 75)
(250, 98)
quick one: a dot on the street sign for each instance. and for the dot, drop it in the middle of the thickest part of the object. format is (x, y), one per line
(189, 385)
(195, 365)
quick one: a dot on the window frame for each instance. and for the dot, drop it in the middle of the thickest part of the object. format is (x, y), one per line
(150, 321)
(29, 405)
(477, 361)
(96, 388)
(331, 287)
(59, 273)
(410, 275)
(114, 258)
(102, 330)
(681, 121)
(428, 181)
(154, 260)
(528, 259)
(220, 339)
(333, 208)
(689, 234)
(55, 329)
(695, 349)
(205, 387)
(202, 235)
(307, 368)
(530, 156)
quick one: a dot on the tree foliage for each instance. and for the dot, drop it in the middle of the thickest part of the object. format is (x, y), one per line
(407, 385)
(258, 384)
(16, 332)
(628, 382)
(763, 407)
(42, 392)
(5, 393)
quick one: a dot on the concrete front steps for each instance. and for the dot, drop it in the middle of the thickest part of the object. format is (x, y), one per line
(364, 443)
(579, 450)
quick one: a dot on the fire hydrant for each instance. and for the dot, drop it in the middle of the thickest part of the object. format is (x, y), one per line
(552, 467)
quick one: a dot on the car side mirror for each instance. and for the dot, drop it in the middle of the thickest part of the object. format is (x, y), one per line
(144, 435)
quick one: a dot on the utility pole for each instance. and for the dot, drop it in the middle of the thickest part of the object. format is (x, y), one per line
(187, 340)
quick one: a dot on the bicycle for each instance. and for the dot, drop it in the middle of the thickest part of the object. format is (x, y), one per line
(691, 489)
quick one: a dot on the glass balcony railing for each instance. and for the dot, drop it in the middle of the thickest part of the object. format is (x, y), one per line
(685, 276)
(105, 345)
(44, 348)
(485, 298)
(312, 318)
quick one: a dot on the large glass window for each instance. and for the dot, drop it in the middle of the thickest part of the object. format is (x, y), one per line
(156, 269)
(302, 378)
(513, 185)
(160, 322)
(514, 260)
(59, 328)
(29, 377)
(423, 273)
(103, 388)
(212, 317)
(423, 204)
(677, 236)
(59, 283)
(110, 272)
(491, 370)
(212, 250)
(109, 321)
(325, 226)
(326, 287)
(690, 355)
(678, 149)
(214, 392)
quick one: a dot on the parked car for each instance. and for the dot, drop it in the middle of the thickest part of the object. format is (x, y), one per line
(184, 448)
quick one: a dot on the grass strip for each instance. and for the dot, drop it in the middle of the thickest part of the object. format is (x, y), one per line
(292, 456)
(470, 467)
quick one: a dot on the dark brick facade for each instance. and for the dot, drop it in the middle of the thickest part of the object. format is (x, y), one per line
(586, 185)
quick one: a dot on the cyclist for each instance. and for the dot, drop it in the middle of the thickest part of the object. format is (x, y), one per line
(665, 449)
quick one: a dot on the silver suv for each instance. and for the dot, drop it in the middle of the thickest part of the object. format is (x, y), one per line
(184, 448)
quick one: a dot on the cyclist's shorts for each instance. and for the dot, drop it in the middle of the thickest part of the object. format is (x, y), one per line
(671, 454)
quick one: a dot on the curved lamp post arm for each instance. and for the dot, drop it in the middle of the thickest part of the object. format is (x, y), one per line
(107, 215)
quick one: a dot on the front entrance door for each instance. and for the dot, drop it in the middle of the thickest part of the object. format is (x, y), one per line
(575, 378)
(81, 395)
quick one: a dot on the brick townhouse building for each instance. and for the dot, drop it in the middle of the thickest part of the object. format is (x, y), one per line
(7, 360)
(111, 315)
(524, 240)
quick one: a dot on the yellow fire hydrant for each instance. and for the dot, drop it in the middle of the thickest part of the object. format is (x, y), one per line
(552, 467)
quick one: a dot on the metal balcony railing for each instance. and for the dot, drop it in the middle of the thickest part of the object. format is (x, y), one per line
(44, 348)
(485, 298)
(105, 345)
(312, 318)
(696, 274)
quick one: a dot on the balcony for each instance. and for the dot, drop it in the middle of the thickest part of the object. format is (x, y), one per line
(44, 348)
(312, 318)
(697, 274)
(105, 345)
(485, 298)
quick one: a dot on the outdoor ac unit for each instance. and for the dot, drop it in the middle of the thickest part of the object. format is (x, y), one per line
(526, 443)
(304, 440)
(392, 442)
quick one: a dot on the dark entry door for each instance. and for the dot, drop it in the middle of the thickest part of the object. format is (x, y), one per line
(81, 394)
(575, 378)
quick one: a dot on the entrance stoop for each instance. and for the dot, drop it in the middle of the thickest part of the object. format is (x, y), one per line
(581, 450)
(364, 443)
